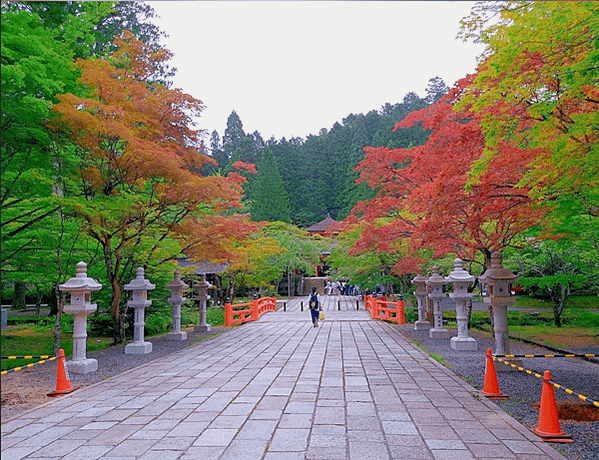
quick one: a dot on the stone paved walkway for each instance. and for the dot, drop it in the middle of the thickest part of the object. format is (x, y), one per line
(279, 389)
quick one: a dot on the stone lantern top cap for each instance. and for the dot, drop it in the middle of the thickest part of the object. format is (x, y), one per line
(435, 278)
(139, 283)
(81, 282)
(418, 279)
(203, 283)
(177, 282)
(459, 275)
(497, 272)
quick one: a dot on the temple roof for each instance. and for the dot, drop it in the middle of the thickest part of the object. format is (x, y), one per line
(327, 225)
(202, 267)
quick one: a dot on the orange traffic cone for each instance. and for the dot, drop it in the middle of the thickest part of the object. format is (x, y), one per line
(491, 386)
(63, 384)
(548, 428)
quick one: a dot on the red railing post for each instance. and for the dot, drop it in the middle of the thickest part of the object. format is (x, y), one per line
(368, 303)
(228, 314)
(401, 312)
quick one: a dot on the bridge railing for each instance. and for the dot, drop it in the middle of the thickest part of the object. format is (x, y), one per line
(249, 311)
(381, 308)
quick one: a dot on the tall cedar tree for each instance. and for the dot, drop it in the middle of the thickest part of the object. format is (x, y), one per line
(138, 183)
(422, 194)
(270, 201)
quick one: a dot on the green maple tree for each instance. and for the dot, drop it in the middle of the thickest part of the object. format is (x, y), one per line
(537, 89)
(137, 187)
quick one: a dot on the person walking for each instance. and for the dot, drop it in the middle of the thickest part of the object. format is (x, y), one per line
(315, 308)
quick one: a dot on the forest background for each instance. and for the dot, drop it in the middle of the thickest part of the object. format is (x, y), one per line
(102, 161)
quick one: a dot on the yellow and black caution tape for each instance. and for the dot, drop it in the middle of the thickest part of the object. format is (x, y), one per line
(539, 376)
(28, 357)
(556, 355)
(50, 358)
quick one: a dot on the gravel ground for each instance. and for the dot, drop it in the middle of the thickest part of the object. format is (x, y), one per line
(523, 389)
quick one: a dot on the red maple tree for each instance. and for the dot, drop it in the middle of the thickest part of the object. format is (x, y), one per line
(423, 196)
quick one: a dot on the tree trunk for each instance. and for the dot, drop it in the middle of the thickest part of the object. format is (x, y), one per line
(487, 254)
(18, 300)
(469, 311)
(112, 262)
(53, 303)
(57, 327)
(38, 299)
(559, 294)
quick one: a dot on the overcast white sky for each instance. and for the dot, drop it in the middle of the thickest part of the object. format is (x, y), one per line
(291, 68)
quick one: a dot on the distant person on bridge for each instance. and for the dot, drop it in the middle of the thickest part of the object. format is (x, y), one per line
(315, 307)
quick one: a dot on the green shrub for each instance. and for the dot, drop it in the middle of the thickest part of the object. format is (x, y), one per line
(189, 315)
(101, 326)
(158, 322)
(525, 318)
(480, 320)
(411, 314)
(215, 316)
(582, 302)
(583, 318)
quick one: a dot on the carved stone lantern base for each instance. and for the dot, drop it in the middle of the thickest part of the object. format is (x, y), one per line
(435, 333)
(202, 328)
(463, 344)
(422, 325)
(138, 348)
(82, 366)
(177, 336)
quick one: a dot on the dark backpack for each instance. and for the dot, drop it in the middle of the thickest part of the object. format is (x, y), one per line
(313, 302)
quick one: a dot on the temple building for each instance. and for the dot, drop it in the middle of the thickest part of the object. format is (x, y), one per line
(328, 227)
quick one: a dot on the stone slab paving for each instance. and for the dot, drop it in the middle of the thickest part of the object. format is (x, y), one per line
(279, 389)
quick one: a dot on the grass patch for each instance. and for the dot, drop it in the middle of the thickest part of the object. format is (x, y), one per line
(439, 359)
(580, 302)
(566, 337)
(34, 335)
(36, 340)
(579, 326)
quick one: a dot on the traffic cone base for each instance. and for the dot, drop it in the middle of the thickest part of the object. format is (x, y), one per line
(491, 386)
(548, 428)
(63, 384)
(551, 437)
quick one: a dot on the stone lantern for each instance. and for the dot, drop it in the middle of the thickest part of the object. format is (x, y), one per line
(80, 288)
(139, 288)
(420, 293)
(176, 299)
(435, 283)
(202, 297)
(498, 282)
(460, 279)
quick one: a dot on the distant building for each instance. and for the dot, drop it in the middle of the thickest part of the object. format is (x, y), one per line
(326, 227)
